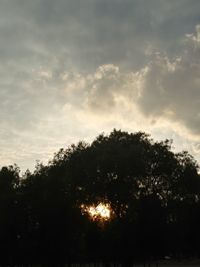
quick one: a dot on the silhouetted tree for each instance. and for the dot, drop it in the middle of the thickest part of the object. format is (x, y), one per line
(154, 194)
(9, 229)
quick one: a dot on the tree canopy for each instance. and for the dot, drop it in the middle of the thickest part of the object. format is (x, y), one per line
(153, 195)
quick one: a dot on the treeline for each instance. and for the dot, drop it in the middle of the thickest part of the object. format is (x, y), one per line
(153, 192)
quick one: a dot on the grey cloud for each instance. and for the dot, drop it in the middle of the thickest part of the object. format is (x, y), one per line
(105, 83)
(172, 89)
(100, 91)
(101, 31)
(42, 40)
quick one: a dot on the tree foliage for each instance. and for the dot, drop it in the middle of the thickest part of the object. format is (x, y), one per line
(153, 192)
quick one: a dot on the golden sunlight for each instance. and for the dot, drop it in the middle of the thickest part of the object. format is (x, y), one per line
(101, 212)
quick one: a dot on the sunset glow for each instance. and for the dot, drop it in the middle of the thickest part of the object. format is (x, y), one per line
(100, 212)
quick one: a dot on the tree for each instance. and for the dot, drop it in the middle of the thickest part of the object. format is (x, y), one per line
(154, 195)
(142, 179)
(9, 230)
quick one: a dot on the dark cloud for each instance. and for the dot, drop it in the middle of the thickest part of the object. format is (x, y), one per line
(172, 88)
(113, 31)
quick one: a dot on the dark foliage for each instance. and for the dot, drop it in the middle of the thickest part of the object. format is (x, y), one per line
(154, 195)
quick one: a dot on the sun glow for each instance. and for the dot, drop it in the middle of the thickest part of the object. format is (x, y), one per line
(100, 212)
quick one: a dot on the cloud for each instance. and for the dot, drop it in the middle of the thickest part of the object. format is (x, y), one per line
(171, 89)
(106, 85)
(164, 89)
(87, 34)
(101, 91)
(72, 69)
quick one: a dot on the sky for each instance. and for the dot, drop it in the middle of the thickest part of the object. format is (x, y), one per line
(72, 69)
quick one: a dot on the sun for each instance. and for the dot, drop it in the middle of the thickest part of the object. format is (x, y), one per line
(100, 212)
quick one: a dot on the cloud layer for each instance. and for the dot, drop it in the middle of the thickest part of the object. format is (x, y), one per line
(73, 69)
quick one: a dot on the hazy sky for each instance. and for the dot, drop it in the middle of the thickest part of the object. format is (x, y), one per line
(71, 69)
